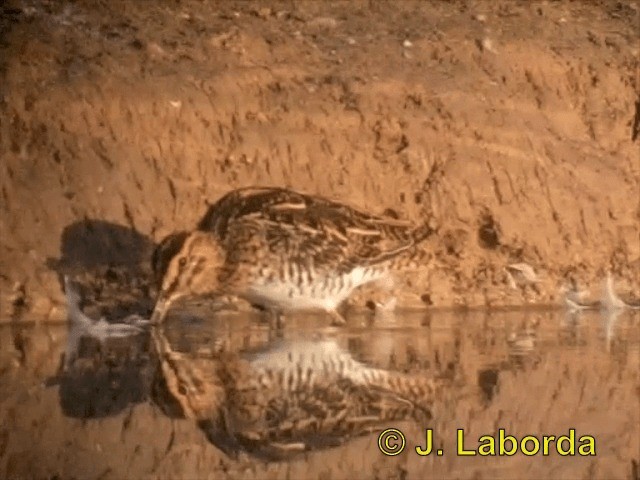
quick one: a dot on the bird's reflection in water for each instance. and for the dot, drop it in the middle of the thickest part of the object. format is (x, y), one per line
(314, 386)
(288, 396)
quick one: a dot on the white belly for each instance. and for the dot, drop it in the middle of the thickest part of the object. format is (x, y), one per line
(321, 293)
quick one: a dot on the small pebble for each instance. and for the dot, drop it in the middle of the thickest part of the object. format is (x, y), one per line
(264, 12)
(325, 23)
(487, 45)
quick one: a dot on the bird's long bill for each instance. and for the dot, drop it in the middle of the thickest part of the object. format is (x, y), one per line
(160, 310)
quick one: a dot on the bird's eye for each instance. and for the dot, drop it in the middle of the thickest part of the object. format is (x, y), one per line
(182, 262)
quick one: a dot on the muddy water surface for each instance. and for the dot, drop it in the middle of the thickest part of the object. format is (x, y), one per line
(76, 406)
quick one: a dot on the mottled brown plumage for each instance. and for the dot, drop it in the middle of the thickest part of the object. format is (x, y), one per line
(292, 396)
(284, 250)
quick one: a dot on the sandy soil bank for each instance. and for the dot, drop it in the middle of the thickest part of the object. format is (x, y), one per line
(509, 126)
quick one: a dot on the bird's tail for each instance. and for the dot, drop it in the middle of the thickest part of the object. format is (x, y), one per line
(415, 258)
(422, 232)
(416, 391)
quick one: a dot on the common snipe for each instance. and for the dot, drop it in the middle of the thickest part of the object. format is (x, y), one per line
(284, 250)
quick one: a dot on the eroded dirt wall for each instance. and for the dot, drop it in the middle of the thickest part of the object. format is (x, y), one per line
(509, 126)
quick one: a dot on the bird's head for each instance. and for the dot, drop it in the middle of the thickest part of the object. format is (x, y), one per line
(187, 266)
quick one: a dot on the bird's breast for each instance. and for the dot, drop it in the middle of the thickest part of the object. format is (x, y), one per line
(294, 288)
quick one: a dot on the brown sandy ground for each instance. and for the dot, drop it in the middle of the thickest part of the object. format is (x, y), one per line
(508, 125)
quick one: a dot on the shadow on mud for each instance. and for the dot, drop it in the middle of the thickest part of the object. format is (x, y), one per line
(112, 264)
(89, 244)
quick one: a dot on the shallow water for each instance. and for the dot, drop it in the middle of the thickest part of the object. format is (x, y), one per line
(76, 406)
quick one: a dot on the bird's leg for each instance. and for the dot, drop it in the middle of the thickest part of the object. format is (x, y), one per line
(336, 318)
(276, 324)
(384, 300)
(276, 319)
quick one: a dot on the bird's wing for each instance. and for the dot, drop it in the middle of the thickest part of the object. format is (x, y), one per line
(239, 203)
(333, 235)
